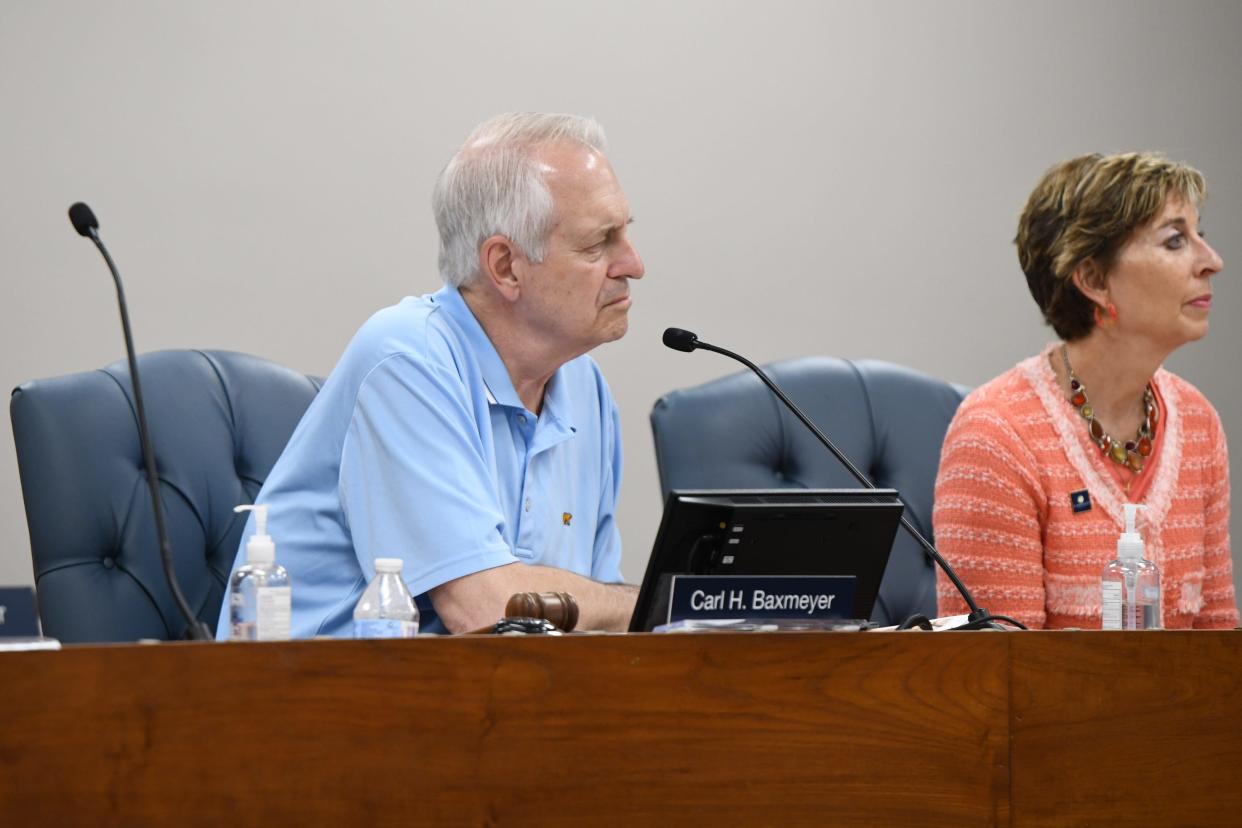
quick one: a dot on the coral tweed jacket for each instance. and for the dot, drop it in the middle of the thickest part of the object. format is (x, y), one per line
(1015, 452)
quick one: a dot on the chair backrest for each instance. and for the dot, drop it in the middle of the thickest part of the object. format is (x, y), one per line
(218, 422)
(734, 433)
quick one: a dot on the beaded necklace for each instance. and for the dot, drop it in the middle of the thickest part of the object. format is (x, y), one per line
(1131, 453)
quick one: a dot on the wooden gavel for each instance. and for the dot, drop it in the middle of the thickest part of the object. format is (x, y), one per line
(558, 608)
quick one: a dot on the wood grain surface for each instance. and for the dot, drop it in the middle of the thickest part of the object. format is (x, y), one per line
(723, 729)
(1109, 724)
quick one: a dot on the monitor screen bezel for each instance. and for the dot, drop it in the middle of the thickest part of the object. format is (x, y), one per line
(669, 557)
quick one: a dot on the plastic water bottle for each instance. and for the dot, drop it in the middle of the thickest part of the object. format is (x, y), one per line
(259, 592)
(386, 609)
(1130, 584)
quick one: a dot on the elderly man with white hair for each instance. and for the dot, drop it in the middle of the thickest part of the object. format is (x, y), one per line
(466, 431)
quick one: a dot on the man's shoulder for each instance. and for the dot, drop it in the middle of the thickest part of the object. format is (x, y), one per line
(414, 328)
(402, 326)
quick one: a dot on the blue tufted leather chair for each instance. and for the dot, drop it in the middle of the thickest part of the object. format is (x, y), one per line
(218, 421)
(734, 433)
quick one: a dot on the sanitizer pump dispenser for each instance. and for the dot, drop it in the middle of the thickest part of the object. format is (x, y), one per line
(1130, 584)
(259, 591)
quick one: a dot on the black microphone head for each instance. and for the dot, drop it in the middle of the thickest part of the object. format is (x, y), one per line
(83, 219)
(680, 340)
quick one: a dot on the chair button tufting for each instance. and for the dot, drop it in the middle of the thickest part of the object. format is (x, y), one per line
(109, 563)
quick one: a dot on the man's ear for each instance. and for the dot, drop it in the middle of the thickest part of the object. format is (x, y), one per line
(500, 263)
(1088, 277)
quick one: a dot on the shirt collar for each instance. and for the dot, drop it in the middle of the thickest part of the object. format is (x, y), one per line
(495, 376)
(499, 385)
(556, 400)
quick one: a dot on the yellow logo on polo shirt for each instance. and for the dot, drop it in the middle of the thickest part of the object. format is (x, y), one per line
(566, 517)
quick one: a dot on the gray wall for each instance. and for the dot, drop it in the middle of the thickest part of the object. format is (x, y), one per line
(835, 178)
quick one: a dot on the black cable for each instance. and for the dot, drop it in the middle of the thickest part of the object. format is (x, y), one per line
(986, 623)
(917, 620)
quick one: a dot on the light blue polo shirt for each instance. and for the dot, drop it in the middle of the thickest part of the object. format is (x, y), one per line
(417, 447)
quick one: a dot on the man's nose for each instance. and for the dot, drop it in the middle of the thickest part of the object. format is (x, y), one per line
(629, 265)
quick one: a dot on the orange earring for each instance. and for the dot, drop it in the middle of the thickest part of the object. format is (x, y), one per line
(1108, 318)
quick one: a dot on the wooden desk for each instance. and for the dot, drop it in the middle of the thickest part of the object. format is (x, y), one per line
(868, 729)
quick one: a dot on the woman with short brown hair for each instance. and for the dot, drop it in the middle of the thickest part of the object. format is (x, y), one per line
(1038, 462)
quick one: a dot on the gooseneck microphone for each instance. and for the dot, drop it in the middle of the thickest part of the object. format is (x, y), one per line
(84, 221)
(682, 340)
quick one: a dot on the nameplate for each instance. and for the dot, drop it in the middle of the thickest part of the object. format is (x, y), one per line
(755, 596)
(18, 617)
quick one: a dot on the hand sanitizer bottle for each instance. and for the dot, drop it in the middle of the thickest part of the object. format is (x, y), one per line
(386, 609)
(259, 592)
(1130, 585)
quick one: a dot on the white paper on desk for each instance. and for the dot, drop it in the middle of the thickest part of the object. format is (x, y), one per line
(938, 624)
(17, 645)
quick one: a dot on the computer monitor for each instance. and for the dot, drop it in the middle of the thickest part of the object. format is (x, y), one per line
(842, 532)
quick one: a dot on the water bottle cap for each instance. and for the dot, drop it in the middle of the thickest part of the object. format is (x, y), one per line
(389, 564)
